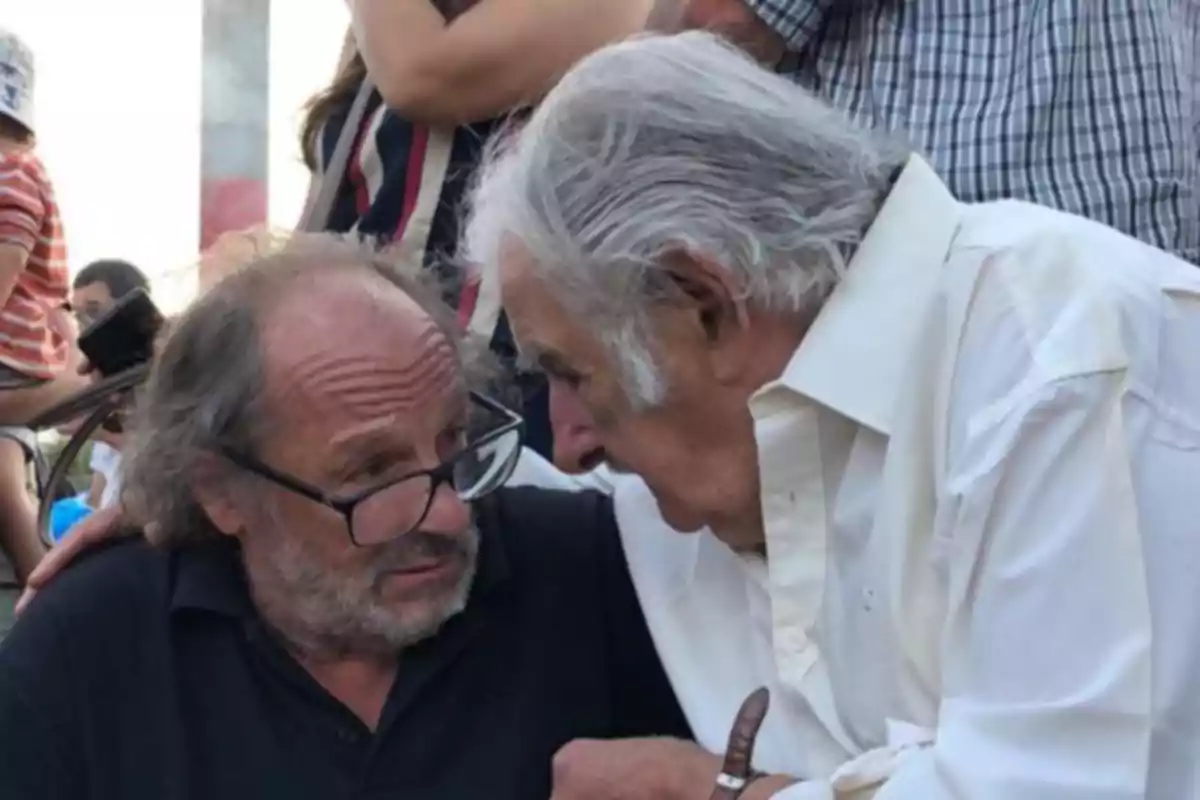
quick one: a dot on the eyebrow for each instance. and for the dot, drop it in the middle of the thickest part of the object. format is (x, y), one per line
(546, 360)
(350, 447)
(370, 438)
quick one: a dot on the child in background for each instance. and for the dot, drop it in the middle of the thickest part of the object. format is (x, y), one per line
(36, 329)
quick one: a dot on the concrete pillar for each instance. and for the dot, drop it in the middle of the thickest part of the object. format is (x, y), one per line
(234, 116)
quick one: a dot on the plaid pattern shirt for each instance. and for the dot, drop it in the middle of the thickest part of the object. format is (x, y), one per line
(1090, 106)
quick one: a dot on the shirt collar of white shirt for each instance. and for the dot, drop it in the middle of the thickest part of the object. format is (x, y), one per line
(852, 358)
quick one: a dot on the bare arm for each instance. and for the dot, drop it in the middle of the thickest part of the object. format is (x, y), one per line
(497, 56)
(96, 492)
(760, 27)
(21, 212)
(13, 259)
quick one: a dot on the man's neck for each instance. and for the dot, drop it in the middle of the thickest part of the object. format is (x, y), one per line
(359, 680)
(362, 684)
(777, 337)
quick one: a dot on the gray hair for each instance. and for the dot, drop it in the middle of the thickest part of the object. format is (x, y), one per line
(206, 389)
(668, 144)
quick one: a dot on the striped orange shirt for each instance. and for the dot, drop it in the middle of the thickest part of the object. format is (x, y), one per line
(29, 219)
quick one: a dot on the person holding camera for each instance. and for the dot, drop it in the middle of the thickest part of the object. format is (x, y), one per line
(95, 290)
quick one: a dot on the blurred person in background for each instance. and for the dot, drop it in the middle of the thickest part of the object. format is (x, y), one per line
(447, 72)
(102, 283)
(95, 289)
(36, 331)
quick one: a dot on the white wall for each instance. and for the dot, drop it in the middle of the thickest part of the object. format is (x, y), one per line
(306, 39)
(118, 93)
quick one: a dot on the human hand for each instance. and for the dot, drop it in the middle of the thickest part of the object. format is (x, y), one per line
(738, 780)
(732, 19)
(633, 769)
(667, 16)
(102, 526)
(664, 769)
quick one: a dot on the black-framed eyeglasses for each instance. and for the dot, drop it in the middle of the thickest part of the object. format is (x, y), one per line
(484, 465)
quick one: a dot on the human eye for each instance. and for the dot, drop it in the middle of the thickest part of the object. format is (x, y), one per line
(572, 380)
(374, 466)
(454, 438)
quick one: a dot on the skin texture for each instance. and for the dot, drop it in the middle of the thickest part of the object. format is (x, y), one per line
(730, 18)
(18, 512)
(497, 56)
(577, 446)
(697, 452)
(361, 387)
(91, 300)
(666, 769)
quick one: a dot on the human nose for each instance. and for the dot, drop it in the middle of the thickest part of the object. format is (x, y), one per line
(447, 513)
(577, 445)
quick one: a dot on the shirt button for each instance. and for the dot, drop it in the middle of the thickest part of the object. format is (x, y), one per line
(868, 599)
(347, 736)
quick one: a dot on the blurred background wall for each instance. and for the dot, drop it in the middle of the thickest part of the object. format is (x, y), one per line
(164, 123)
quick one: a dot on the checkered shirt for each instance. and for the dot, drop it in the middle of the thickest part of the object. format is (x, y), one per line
(1091, 106)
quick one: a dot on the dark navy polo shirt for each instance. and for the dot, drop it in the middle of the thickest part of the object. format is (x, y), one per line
(145, 674)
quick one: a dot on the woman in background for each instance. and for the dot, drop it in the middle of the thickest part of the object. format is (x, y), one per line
(447, 72)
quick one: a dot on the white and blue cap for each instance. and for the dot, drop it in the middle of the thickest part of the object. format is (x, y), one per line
(16, 79)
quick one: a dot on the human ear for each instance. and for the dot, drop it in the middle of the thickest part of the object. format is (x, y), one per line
(210, 487)
(710, 292)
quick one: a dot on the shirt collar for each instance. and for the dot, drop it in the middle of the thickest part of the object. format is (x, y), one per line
(852, 358)
(209, 577)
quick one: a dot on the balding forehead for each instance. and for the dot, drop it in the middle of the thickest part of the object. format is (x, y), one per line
(355, 341)
(326, 292)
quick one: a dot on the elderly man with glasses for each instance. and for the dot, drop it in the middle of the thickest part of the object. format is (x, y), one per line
(342, 602)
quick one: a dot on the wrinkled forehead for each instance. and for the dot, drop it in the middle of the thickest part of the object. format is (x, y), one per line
(354, 351)
(544, 326)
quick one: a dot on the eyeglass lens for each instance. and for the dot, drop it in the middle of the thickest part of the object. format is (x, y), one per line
(401, 507)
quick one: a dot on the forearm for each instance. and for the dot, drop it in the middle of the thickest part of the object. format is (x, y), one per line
(498, 56)
(759, 29)
(96, 493)
(13, 259)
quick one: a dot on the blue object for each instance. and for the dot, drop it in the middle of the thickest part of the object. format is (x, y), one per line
(64, 514)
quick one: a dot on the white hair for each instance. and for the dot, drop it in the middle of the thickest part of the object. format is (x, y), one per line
(667, 144)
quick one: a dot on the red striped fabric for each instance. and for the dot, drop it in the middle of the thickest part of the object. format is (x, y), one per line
(375, 166)
(29, 220)
(413, 176)
(467, 300)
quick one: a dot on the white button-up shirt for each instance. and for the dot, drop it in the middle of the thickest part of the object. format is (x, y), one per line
(981, 495)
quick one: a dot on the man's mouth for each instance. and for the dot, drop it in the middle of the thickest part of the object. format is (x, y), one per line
(423, 567)
(421, 573)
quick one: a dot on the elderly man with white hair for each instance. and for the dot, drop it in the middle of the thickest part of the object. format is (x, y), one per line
(942, 461)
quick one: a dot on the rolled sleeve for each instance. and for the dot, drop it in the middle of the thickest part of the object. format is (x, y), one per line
(1047, 664)
(795, 21)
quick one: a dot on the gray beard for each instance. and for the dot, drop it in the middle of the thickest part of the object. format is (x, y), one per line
(322, 614)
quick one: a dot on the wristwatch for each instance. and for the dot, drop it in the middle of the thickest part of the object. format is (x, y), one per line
(730, 787)
(736, 773)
